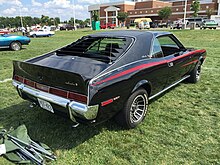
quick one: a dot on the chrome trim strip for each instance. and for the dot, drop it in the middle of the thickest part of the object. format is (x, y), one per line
(76, 108)
(157, 94)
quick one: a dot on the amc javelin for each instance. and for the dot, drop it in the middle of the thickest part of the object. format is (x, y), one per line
(109, 74)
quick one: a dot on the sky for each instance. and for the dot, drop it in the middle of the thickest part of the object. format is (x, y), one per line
(51, 8)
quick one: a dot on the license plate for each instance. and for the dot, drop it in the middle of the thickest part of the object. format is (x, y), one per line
(45, 105)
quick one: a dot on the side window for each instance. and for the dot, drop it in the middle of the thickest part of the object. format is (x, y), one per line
(156, 49)
(168, 45)
(167, 41)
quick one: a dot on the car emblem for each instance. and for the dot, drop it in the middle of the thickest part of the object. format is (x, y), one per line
(71, 83)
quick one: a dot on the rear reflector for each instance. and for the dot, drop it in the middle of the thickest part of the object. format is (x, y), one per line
(29, 83)
(77, 97)
(42, 87)
(58, 92)
(18, 78)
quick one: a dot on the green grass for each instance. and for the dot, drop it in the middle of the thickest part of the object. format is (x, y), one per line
(182, 126)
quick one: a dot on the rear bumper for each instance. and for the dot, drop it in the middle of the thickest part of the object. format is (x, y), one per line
(74, 108)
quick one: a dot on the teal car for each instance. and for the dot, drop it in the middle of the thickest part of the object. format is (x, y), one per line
(209, 24)
(13, 42)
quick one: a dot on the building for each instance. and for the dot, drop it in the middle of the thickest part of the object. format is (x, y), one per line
(149, 8)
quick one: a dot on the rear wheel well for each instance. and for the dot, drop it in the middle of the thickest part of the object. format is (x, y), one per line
(147, 87)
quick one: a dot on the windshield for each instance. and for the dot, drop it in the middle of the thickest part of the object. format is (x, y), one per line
(100, 48)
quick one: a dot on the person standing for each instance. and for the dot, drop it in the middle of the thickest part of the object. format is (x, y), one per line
(23, 30)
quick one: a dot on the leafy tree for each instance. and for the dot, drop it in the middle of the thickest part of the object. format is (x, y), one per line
(122, 16)
(195, 7)
(209, 12)
(57, 20)
(95, 15)
(165, 13)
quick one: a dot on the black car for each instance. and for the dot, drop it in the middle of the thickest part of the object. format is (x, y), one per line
(67, 27)
(109, 74)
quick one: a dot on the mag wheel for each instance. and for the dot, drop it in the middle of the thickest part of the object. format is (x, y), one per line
(15, 46)
(135, 109)
(195, 74)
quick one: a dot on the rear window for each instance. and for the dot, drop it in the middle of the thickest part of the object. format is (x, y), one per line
(100, 48)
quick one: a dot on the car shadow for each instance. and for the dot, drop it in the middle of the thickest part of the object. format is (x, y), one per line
(55, 131)
(8, 49)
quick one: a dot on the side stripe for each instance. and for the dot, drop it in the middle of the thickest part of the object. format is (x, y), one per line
(144, 66)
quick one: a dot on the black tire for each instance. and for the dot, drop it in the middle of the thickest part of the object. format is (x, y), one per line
(214, 28)
(34, 35)
(195, 73)
(133, 114)
(16, 45)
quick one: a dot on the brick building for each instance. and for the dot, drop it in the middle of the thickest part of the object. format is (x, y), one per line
(149, 8)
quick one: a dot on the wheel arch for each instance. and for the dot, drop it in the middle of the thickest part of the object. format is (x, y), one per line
(16, 41)
(143, 84)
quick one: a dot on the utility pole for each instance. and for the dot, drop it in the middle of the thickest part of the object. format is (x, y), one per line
(22, 25)
(184, 17)
(74, 14)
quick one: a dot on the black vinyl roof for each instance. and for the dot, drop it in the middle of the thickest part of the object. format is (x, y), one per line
(129, 33)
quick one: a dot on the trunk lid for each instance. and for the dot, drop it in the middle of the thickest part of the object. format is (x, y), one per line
(70, 73)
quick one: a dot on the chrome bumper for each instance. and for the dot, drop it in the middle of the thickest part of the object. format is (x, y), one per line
(74, 108)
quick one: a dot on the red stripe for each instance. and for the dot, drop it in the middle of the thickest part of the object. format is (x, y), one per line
(130, 71)
(104, 103)
(194, 61)
(144, 66)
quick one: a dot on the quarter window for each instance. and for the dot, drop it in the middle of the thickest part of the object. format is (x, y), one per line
(156, 50)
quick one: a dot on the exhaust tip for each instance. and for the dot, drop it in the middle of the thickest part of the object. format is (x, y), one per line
(75, 125)
(32, 105)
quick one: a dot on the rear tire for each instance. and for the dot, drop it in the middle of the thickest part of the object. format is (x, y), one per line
(15, 46)
(195, 73)
(134, 110)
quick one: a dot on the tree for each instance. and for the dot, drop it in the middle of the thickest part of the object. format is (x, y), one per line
(195, 7)
(165, 13)
(209, 12)
(95, 15)
(122, 16)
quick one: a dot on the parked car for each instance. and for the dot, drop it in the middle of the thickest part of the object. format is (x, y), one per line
(13, 42)
(3, 31)
(209, 24)
(41, 33)
(109, 74)
(109, 26)
(177, 25)
(67, 27)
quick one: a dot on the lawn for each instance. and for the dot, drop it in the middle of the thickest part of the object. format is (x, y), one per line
(182, 126)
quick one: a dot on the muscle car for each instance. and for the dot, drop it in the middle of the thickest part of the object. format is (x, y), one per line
(13, 42)
(41, 33)
(109, 74)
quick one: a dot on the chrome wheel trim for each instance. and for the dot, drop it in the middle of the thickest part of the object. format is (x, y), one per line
(198, 71)
(138, 109)
(15, 46)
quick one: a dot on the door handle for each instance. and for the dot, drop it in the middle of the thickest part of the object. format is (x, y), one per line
(170, 64)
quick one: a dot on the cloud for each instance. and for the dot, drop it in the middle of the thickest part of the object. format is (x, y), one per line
(57, 4)
(11, 2)
(35, 3)
(90, 1)
(9, 11)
